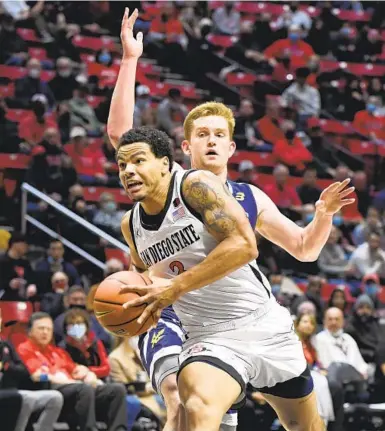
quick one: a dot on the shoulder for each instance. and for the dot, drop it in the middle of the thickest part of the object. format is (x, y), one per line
(126, 218)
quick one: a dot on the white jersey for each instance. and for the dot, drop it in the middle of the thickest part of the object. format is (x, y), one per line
(176, 240)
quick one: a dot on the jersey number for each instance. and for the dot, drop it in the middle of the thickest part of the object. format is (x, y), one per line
(239, 196)
(177, 267)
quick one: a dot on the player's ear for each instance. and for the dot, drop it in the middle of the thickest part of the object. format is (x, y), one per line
(165, 166)
(186, 147)
(232, 148)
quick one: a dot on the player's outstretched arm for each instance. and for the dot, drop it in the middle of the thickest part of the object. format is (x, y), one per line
(120, 118)
(305, 244)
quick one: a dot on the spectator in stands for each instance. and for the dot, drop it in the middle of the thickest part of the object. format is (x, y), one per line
(329, 396)
(64, 83)
(372, 223)
(375, 87)
(300, 51)
(27, 87)
(364, 327)
(334, 345)
(227, 20)
(75, 192)
(126, 367)
(344, 45)
(371, 286)
(294, 16)
(338, 299)
(51, 170)
(15, 379)
(142, 104)
(172, 112)
(281, 193)
(379, 200)
(333, 260)
(368, 258)
(291, 150)
(14, 50)
(245, 133)
(308, 191)
(368, 123)
(81, 113)
(319, 37)
(80, 343)
(55, 262)
(369, 46)
(84, 401)
(76, 297)
(246, 171)
(88, 162)
(17, 279)
(342, 172)
(108, 217)
(302, 97)
(312, 294)
(10, 142)
(360, 182)
(52, 302)
(33, 126)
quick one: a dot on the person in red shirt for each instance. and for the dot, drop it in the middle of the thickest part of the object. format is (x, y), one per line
(84, 395)
(300, 52)
(281, 193)
(291, 149)
(368, 122)
(33, 126)
(81, 344)
(89, 162)
(268, 125)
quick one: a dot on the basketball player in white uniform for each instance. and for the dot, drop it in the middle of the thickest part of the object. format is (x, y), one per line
(287, 406)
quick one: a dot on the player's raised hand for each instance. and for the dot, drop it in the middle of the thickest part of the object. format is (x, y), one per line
(334, 197)
(132, 48)
(160, 294)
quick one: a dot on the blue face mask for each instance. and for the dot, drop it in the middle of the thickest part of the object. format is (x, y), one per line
(371, 289)
(110, 206)
(104, 58)
(371, 107)
(78, 330)
(309, 218)
(345, 31)
(337, 220)
(294, 37)
(275, 288)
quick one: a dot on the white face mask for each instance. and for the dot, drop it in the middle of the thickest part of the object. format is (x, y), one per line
(78, 330)
(65, 73)
(34, 73)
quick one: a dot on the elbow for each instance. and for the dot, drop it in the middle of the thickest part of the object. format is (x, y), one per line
(307, 256)
(248, 249)
(113, 136)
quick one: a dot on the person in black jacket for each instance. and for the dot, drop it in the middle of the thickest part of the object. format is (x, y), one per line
(17, 279)
(17, 400)
(52, 302)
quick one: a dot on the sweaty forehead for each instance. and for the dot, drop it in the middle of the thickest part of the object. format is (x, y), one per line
(211, 122)
(130, 150)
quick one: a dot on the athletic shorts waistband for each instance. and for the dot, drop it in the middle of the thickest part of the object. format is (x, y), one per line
(231, 324)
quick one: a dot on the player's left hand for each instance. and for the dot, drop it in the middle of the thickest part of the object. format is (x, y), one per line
(160, 294)
(332, 199)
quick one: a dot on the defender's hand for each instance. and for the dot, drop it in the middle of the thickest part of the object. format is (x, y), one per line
(132, 48)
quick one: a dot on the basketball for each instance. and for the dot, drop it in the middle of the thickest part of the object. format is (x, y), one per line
(108, 303)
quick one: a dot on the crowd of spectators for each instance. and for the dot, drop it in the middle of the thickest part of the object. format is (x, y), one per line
(54, 103)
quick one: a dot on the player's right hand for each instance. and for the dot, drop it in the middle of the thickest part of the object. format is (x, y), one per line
(132, 48)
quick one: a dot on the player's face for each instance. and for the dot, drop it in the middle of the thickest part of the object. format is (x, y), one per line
(140, 172)
(210, 145)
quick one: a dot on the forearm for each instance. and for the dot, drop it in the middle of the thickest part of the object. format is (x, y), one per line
(314, 236)
(226, 258)
(121, 114)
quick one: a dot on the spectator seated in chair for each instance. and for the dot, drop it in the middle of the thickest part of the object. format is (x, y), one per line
(52, 302)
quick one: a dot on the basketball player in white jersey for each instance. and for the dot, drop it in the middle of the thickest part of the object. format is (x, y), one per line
(330, 197)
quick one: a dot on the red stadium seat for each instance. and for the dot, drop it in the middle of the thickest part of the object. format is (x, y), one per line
(7, 90)
(12, 72)
(92, 194)
(28, 34)
(95, 101)
(259, 159)
(17, 312)
(240, 78)
(115, 253)
(350, 213)
(94, 43)
(39, 53)
(14, 161)
(222, 40)
(332, 126)
(16, 114)
(47, 75)
(351, 15)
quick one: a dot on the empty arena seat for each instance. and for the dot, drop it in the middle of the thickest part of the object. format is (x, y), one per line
(15, 316)
(7, 90)
(14, 161)
(259, 159)
(92, 194)
(28, 34)
(12, 72)
(222, 40)
(39, 53)
(94, 43)
(332, 126)
(115, 253)
(240, 78)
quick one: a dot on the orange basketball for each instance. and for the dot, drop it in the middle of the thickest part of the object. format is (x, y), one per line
(108, 303)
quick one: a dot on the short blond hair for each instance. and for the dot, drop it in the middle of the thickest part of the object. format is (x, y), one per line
(205, 110)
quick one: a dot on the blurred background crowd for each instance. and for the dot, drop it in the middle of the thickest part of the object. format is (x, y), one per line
(306, 83)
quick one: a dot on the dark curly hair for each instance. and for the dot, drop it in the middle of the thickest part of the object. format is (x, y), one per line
(158, 141)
